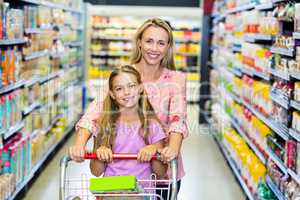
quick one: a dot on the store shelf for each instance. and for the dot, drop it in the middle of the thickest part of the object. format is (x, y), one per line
(296, 35)
(254, 73)
(219, 18)
(39, 164)
(52, 5)
(295, 104)
(235, 170)
(295, 74)
(277, 161)
(74, 44)
(249, 142)
(280, 74)
(12, 87)
(12, 42)
(106, 53)
(235, 71)
(283, 51)
(32, 81)
(241, 8)
(52, 123)
(36, 55)
(12, 130)
(278, 1)
(295, 176)
(264, 6)
(112, 38)
(187, 54)
(33, 30)
(50, 77)
(186, 40)
(278, 128)
(279, 100)
(274, 188)
(257, 37)
(236, 49)
(31, 108)
(294, 134)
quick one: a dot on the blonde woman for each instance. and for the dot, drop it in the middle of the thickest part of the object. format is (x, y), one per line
(166, 88)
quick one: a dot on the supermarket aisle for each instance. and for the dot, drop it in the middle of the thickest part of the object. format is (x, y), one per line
(208, 176)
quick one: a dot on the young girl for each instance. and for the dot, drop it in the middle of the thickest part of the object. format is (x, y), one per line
(128, 125)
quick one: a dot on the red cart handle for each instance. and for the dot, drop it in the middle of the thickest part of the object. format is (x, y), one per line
(120, 156)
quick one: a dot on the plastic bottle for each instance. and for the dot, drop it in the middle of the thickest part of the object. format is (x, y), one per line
(4, 64)
(8, 111)
(11, 66)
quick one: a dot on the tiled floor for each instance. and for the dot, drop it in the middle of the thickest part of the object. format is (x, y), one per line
(207, 175)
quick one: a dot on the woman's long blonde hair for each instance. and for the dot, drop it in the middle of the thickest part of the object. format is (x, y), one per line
(168, 60)
(108, 120)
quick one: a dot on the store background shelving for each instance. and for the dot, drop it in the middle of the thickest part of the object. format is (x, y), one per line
(110, 35)
(254, 67)
(41, 89)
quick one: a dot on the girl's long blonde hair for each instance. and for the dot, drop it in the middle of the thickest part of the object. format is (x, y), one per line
(108, 119)
(168, 60)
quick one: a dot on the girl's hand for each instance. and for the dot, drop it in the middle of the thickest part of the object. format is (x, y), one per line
(145, 154)
(77, 152)
(104, 154)
(168, 153)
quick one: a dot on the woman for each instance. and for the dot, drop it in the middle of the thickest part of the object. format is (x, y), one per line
(153, 58)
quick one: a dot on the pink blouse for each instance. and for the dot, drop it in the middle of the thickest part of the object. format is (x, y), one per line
(168, 98)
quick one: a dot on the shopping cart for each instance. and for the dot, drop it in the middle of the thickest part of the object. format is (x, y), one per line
(78, 189)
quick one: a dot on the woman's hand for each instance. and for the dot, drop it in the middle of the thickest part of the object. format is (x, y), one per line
(168, 153)
(76, 153)
(145, 154)
(104, 154)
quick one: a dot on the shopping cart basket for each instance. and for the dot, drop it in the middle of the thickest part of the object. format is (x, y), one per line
(78, 189)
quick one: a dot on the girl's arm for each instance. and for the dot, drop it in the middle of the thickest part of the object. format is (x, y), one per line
(104, 155)
(97, 167)
(145, 154)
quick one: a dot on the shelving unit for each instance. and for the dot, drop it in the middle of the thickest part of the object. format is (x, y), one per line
(233, 167)
(40, 163)
(52, 92)
(255, 88)
(274, 188)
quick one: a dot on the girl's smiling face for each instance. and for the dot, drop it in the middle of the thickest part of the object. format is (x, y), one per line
(154, 45)
(126, 91)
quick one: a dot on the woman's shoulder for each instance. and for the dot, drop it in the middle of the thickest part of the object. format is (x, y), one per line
(174, 75)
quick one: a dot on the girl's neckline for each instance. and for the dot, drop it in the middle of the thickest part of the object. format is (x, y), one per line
(128, 124)
(158, 79)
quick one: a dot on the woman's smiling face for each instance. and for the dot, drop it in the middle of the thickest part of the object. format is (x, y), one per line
(154, 45)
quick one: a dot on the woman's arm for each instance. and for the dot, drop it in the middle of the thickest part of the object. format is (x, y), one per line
(86, 127)
(77, 150)
(177, 119)
(158, 167)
